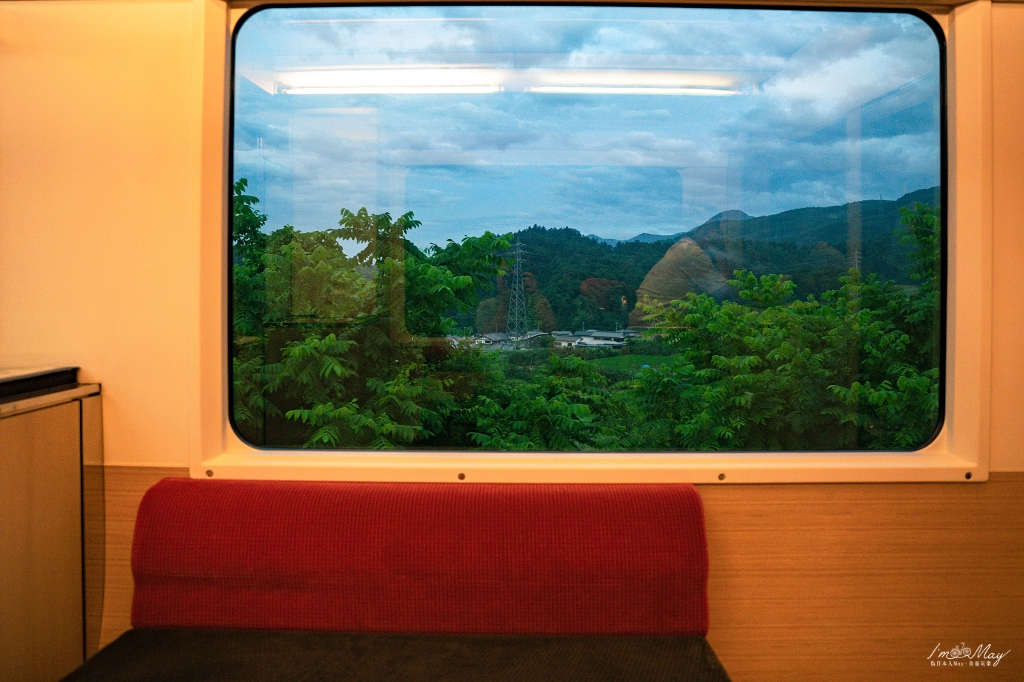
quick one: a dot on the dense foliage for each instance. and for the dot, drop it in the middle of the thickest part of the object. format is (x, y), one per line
(582, 281)
(335, 350)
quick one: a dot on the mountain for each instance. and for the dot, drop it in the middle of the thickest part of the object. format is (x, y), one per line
(724, 216)
(643, 238)
(562, 259)
(810, 245)
(733, 215)
(804, 226)
(649, 238)
(807, 226)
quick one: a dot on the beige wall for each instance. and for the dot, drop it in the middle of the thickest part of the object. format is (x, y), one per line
(1008, 237)
(98, 208)
(101, 107)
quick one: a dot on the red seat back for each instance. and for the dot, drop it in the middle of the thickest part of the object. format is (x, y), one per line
(421, 558)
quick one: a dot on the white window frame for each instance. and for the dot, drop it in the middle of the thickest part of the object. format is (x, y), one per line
(960, 452)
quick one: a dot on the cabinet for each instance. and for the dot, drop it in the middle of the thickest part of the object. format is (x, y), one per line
(51, 501)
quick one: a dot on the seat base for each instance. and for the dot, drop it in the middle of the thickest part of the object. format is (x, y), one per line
(196, 655)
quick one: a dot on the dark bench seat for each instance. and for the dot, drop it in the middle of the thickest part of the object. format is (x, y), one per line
(165, 655)
(265, 580)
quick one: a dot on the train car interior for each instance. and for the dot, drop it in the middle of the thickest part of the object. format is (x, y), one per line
(514, 341)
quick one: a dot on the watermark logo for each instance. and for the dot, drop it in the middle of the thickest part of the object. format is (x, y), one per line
(963, 656)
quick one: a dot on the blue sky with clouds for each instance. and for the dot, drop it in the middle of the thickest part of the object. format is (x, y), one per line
(828, 107)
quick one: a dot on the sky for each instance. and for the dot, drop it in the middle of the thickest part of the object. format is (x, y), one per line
(786, 109)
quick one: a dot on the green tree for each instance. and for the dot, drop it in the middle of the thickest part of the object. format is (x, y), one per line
(555, 412)
(335, 350)
(844, 372)
(338, 345)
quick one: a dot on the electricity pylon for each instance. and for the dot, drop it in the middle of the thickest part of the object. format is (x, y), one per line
(515, 328)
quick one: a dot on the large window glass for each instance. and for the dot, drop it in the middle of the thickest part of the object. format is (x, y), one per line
(586, 229)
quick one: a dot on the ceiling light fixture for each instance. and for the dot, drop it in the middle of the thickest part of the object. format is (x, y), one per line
(626, 90)
(434, 79)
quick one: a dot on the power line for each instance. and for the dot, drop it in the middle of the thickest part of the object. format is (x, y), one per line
(515, 328)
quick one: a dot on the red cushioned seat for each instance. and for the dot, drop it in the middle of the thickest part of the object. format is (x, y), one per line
(422, 558)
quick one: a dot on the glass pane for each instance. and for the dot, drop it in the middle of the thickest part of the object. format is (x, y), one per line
(586, 229)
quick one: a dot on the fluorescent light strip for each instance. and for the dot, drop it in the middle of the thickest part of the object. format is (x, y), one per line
(385, 81)
(395, 90)
(477, 79)
(626, 90)
(490, 89)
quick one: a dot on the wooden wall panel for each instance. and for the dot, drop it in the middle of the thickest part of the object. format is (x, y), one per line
(94, 527)
(125, 487)
(861, 581)
(808, 582)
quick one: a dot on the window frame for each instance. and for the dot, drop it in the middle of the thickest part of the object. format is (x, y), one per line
(958, 451)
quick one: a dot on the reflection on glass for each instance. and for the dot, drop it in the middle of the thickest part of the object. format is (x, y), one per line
(586, 229)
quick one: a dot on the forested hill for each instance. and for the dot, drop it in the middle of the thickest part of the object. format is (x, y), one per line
(562, 259)
(807, 226)
(584, 279)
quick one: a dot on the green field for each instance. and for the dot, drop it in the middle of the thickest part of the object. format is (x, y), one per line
(632, 362)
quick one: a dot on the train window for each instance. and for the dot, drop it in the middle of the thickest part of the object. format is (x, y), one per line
(587, 229)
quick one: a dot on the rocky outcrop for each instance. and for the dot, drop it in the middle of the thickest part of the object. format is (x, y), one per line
(684, 269)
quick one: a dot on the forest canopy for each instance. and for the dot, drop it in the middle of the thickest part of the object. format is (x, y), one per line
(372, 348)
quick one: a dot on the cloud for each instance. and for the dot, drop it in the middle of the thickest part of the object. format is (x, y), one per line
(613, 165)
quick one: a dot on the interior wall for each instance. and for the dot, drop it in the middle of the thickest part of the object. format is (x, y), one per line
(1008, 237)
(862, 581)
(98, 209)
(100, 144)
(101, 136)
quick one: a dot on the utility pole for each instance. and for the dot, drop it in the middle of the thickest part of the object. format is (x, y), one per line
(515, 329)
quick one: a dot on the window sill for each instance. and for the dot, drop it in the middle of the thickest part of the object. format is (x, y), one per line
(933, 463)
